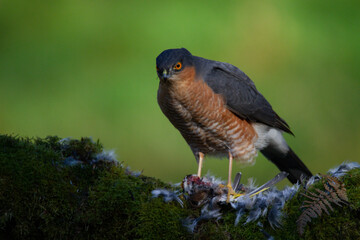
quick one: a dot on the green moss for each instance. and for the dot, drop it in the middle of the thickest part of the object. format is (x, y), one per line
(342, 223)
(116, 203)
(225, 229)
(43, 198)
(159, 220)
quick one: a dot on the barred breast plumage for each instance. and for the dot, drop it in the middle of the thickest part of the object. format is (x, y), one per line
(203, 120)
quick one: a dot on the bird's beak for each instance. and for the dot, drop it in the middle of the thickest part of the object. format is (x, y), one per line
(165, 74)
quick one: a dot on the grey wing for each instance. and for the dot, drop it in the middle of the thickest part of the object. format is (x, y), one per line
(241, 95)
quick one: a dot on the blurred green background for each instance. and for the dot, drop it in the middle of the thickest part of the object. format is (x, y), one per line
(87, 68)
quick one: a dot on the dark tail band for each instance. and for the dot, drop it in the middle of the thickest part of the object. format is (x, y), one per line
(288, 162)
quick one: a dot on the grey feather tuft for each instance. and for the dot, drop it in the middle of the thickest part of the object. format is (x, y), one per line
(266, 234)
(343, 168)
(310, 181)
(107, 156)
(132, 173)
(269, 203)
(206, 214)
(71, 161)
(167, 195)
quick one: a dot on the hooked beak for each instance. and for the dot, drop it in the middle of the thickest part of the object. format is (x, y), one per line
(165, 74)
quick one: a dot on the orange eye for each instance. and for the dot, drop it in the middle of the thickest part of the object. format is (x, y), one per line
(178, 66)
(157, 69)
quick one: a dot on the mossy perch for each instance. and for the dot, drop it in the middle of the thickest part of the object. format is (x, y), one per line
(44, 195)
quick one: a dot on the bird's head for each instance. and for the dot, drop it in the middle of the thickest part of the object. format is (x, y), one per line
(172, 62)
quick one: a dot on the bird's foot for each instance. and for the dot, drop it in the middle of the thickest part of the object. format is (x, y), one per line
(230, 192)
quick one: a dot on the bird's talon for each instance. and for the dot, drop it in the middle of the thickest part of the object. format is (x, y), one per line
(230, 192)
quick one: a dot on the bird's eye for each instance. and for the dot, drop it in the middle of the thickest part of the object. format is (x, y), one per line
(178, 66)
(157, 69)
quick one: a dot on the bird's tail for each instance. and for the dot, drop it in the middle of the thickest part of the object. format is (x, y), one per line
(288, 162)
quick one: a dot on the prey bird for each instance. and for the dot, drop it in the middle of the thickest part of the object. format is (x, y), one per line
(219, 112)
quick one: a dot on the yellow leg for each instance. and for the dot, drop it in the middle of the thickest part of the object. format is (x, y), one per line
(201, 158)
(230, 189)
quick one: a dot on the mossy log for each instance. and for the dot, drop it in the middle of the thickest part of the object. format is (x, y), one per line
(48, 191)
